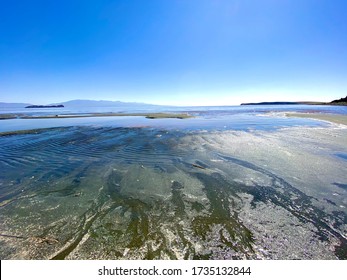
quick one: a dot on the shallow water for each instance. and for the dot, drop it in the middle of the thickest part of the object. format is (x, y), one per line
(104, 192)
(342, 155)
(205, 118)
(202, 110)
(211, 120)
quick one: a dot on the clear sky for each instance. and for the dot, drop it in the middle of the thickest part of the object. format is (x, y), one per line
(173, 52)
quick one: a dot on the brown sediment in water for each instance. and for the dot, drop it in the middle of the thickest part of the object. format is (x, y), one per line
(339, 119)
(10, 116)
(62, 116)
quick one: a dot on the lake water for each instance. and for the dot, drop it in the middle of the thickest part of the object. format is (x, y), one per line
(241, 182)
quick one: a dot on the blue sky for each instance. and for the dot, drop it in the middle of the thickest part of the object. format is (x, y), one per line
(173, 52)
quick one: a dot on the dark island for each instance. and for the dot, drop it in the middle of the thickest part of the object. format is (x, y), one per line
(45, 106)
(341, 101)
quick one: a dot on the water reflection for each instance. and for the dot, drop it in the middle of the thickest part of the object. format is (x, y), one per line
(148, 193)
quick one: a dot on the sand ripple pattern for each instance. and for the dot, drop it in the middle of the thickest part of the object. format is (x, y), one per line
(54, 147)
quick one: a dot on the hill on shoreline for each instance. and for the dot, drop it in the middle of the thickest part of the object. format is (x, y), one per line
(341, 101)
(120, 104)
(100, 103)
(286, 103)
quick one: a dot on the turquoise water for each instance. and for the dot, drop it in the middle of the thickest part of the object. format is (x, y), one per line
(224, 185)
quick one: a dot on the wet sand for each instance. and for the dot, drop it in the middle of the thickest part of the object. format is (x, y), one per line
(69, 116)
(339, 119)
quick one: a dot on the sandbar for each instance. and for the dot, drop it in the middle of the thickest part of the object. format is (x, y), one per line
(339, 119)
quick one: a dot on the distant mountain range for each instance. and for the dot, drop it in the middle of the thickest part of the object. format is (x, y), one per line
(100, 103)
(119, 104)
(79, 103)
(13, 105)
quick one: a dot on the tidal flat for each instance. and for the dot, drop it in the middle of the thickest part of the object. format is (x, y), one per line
(85, 192)
(334, 118)
(160, 115)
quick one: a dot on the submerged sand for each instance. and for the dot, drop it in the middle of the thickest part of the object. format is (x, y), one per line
(135, 193)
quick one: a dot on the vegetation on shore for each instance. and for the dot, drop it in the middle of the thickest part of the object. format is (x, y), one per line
(341, 101)
(286, 103)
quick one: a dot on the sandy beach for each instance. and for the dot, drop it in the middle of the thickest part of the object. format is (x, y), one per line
(339, 119)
